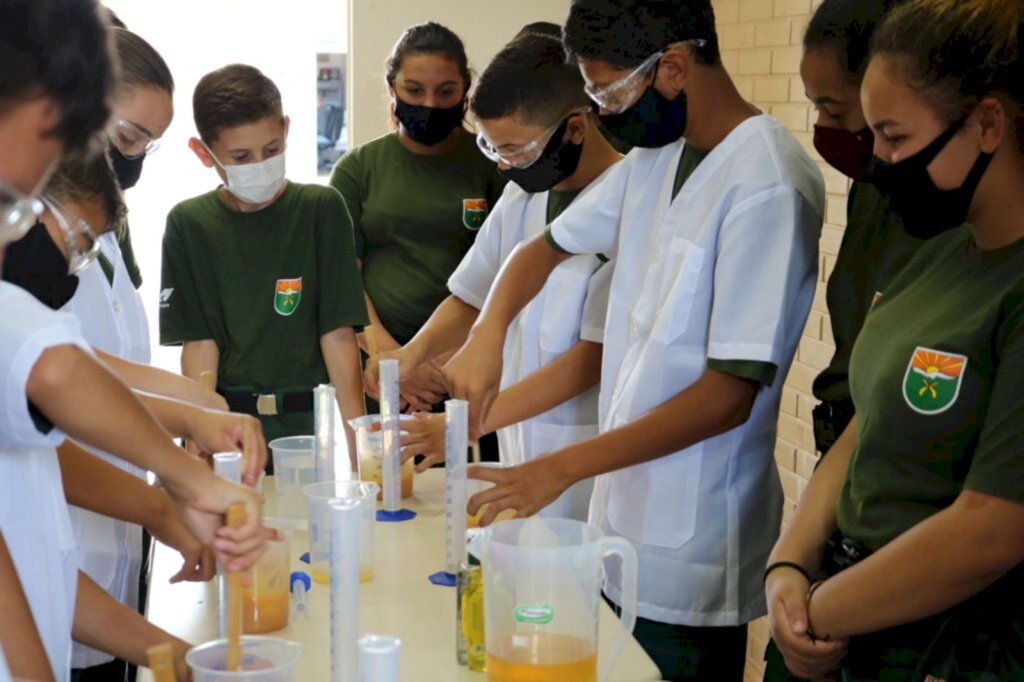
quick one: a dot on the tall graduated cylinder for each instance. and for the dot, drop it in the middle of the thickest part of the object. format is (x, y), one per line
(542, 599)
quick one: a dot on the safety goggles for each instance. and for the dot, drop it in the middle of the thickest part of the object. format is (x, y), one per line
(18, 213)
(131, 140)
(72, 228)
(527, 155)
(619, 96)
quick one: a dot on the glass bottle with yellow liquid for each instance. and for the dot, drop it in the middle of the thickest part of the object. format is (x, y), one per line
(471, 613)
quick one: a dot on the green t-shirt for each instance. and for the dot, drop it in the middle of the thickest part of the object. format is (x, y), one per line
(265, 286)
(874, 250)
(558, 201)
(415, 218)
(935, 376)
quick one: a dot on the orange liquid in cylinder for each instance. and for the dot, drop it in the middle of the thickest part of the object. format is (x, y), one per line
(542, 657)
(474, 521)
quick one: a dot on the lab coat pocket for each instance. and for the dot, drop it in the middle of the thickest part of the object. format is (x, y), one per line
(679, 279)
(655, 503)
(564, 295)
(548, 438)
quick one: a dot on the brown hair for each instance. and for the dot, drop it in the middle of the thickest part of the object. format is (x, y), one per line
(85, 178)
(232, 96)
(954, 53)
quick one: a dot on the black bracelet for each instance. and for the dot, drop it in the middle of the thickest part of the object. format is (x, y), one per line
(807, 607)
(787, 564)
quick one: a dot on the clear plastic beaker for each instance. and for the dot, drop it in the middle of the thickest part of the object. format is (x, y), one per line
(318, 495)
(294, 468)
(266, 603)
(473, 486)
(264, 659)
(542, 595)
(370, 448)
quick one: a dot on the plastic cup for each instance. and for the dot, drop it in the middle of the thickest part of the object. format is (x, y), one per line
(370, 448)
(294, 468)
(318, 495)
(266, 603)
(264, 659)
(473, 486)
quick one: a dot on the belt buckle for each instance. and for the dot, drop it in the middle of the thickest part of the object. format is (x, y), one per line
(266, 405)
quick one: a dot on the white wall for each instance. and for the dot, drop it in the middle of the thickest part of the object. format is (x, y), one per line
(484, 26)
(282, 38)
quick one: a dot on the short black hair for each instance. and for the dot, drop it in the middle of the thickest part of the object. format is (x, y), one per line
(846, 27)
(626, 32)
(82, 178)
(141, 64)
(112, 19)
(529, 78)
(232, 96)
(544, 28)
(59, 49)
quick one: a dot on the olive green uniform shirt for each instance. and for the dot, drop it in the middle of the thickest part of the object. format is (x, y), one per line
(265, 285)
(875, 248)
(936, 381)
(415, 217)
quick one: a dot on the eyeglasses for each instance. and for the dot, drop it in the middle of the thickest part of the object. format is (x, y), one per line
(78, 259)
(131, 140)
(18, 213)
(619, 96)
(527, 155)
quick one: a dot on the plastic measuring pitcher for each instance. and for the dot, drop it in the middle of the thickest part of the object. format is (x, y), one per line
(294, 468)
(264, 659)
(370, 449)
(318, 495)
(266, 601)
(542, 599)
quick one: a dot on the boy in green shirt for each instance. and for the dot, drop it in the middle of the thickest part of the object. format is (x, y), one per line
(259, 281)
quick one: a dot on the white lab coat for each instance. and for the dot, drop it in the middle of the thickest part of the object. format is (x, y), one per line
(33, 512)
(574, 298)
(114, 321)
(725, 271)
(5, 673)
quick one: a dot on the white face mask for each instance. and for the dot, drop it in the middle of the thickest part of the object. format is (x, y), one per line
(254, 183)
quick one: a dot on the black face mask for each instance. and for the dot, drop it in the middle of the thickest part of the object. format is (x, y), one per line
(428, 125)
(652, 122)
(35, 264)
(128, 170)
(558, 161)
(924, 209)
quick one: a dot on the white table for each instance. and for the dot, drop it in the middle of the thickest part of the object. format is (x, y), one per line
(398, 601)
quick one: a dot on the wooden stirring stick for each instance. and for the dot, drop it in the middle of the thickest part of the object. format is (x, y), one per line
(236, 517)
(208, 378)
(476, 453)
(161, 662)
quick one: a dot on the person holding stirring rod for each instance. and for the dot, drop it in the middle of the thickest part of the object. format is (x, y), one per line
(924, 487)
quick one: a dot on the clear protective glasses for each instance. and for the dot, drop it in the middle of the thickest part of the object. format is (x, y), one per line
(72, 227)
(527, 155)
(131, 140)
(18, 213)
(619, 96)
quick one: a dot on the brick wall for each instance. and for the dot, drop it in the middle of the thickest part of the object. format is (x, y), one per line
(761, 49)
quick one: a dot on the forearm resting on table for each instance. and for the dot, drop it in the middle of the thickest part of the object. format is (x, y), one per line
(444, 332)
(158, 382)
(96, 485)
(714, 404)
(814, 521)
(520, 280)
(88, 403)
(103, 623)
(198, 357)
(575, 371)
(19, 638)
(934, 566)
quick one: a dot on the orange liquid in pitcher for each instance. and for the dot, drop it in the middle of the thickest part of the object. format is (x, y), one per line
(474, 521)
(264, 613)
(542, 657)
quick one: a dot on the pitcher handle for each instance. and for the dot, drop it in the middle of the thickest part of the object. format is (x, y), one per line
(623, 549)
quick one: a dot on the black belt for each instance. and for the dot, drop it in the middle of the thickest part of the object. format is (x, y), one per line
(830, 419)
(268, 404)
